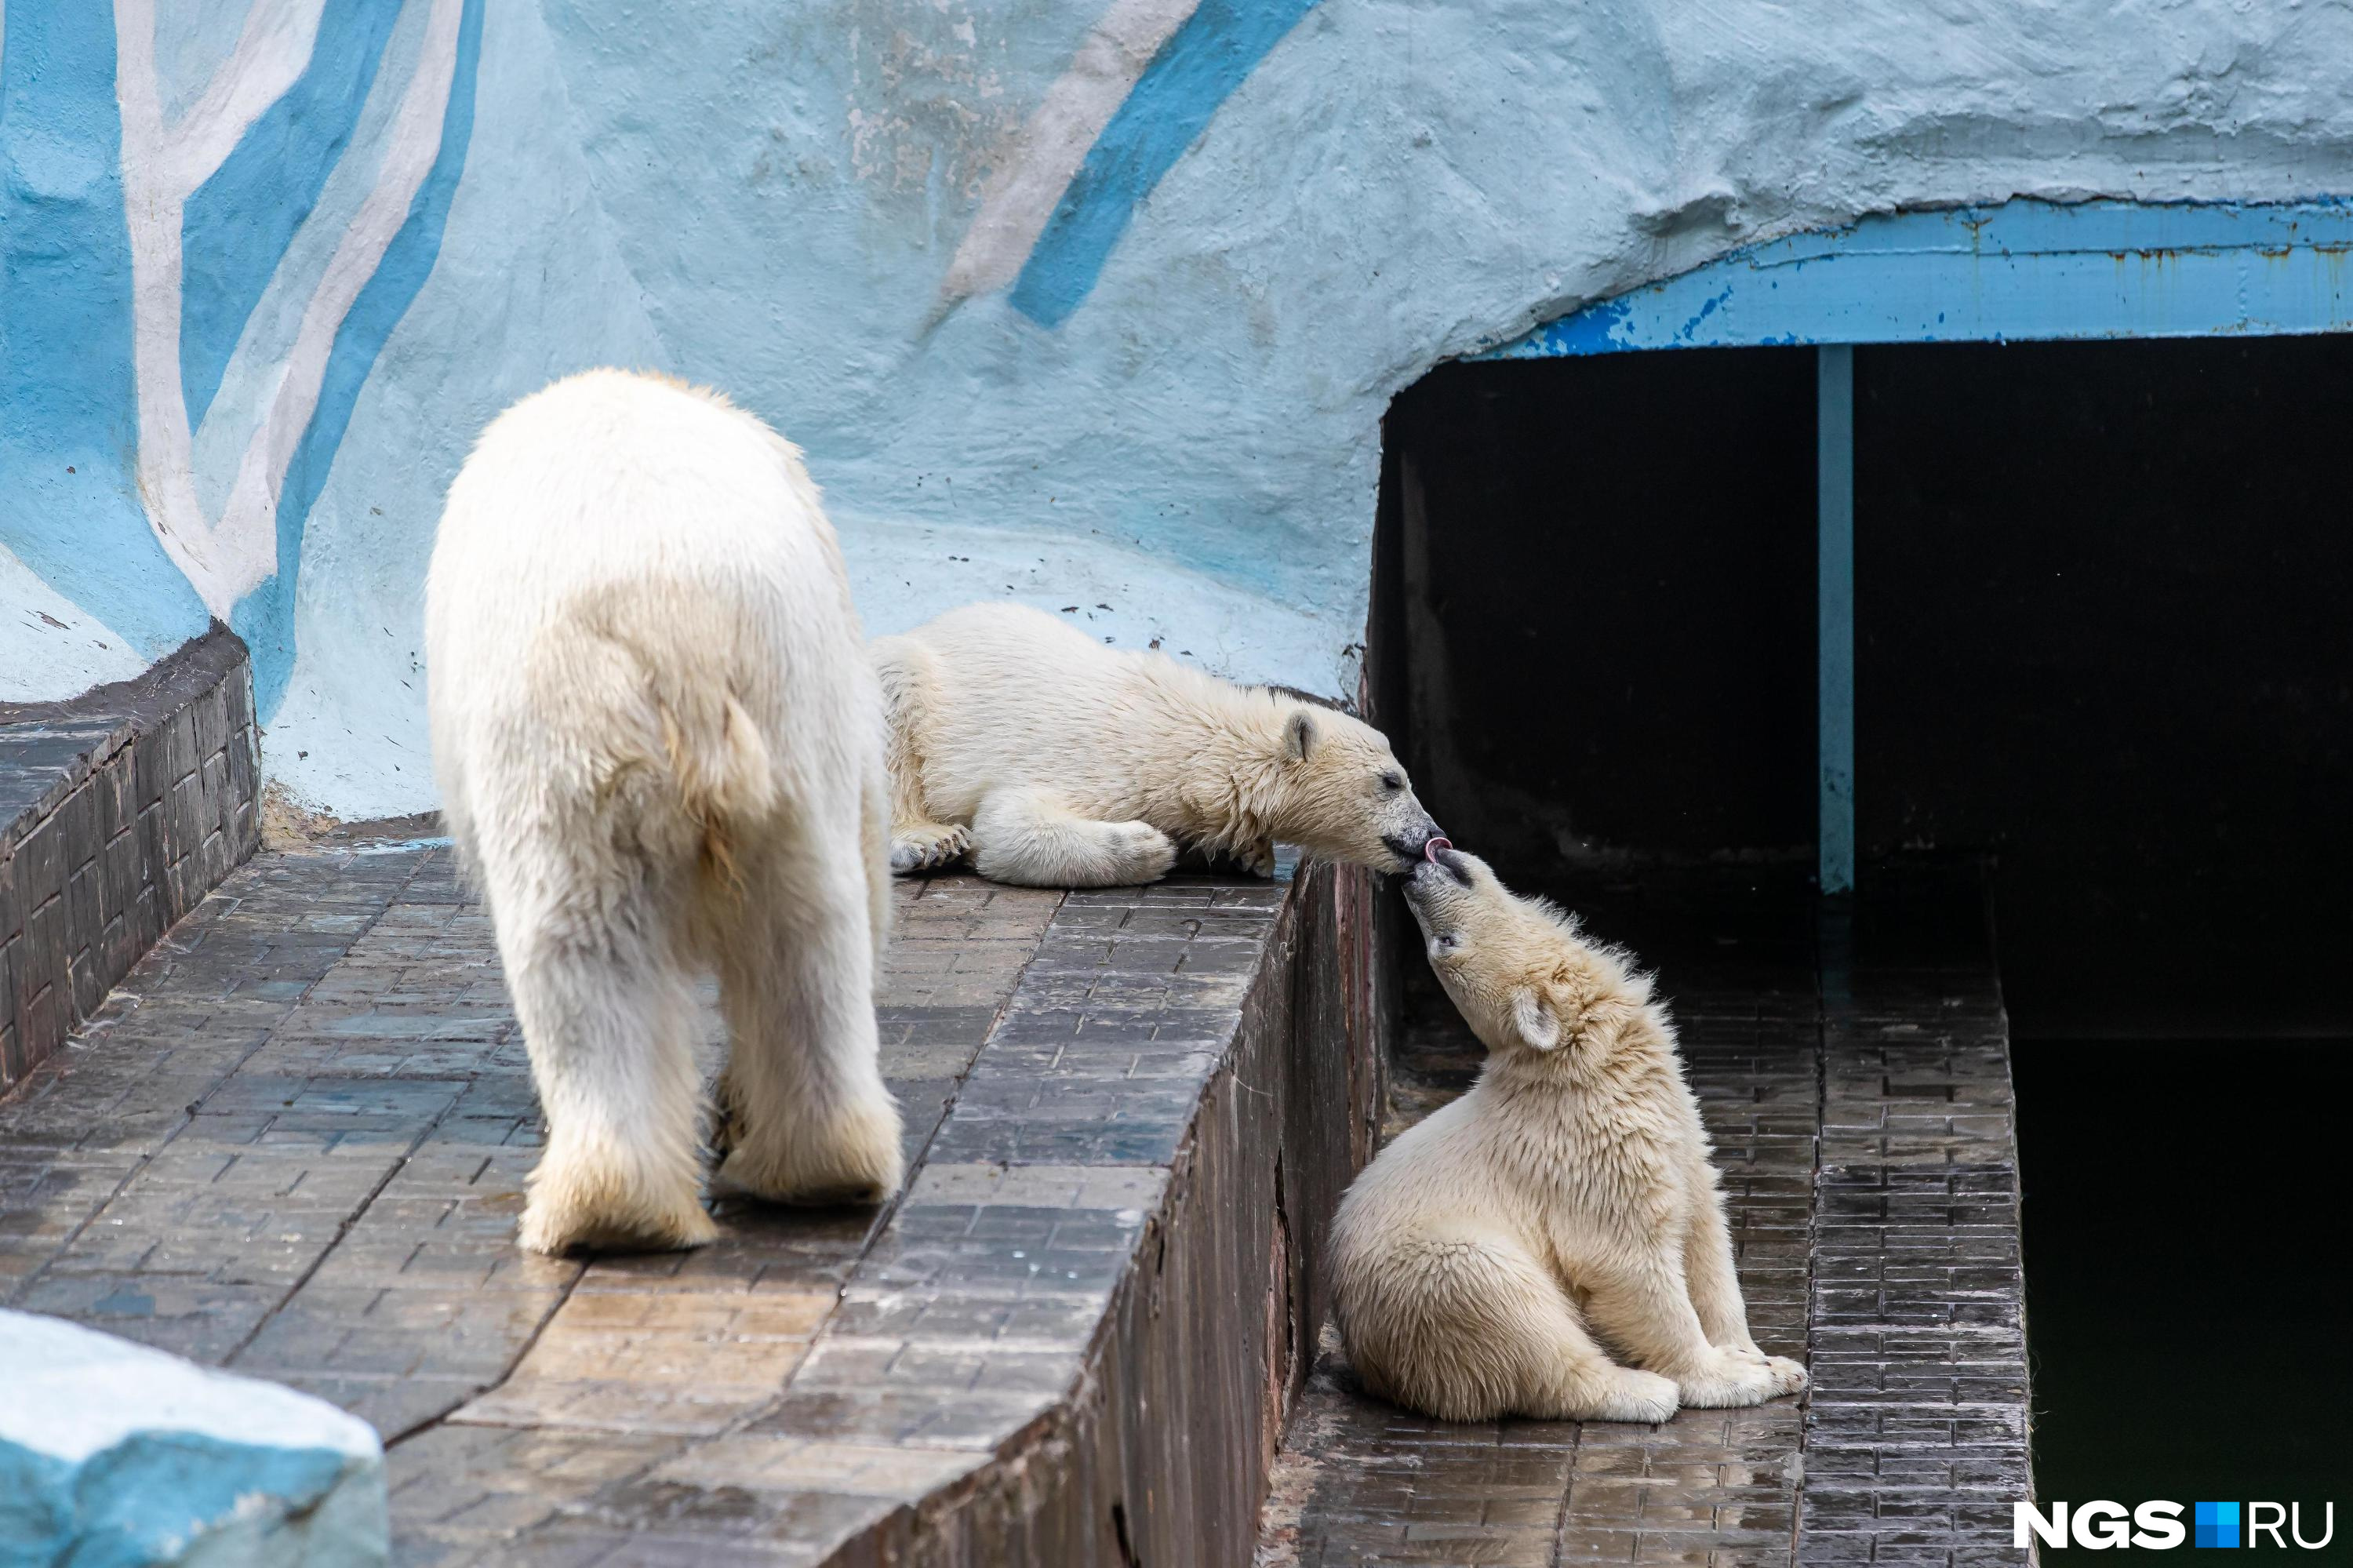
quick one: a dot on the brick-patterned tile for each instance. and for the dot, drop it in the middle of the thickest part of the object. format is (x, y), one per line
(1855, 1084)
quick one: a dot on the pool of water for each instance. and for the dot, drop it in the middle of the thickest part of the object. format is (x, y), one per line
(2187, 1240)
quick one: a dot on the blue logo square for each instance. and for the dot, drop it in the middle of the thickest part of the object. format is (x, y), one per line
(2218, 1523)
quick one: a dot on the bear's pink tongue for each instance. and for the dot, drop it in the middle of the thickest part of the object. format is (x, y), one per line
(1430, 851)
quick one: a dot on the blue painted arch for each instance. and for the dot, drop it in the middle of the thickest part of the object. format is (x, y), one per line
(2020, 271)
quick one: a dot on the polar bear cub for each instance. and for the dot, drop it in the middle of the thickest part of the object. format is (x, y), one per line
(1058, 762)
(660, 748)
(1566, 1200)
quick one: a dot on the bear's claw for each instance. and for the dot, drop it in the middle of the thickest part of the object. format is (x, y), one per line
(1735, 1381)
(928, 848)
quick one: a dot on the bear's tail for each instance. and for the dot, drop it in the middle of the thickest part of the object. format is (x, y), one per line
(668, 713)
(723, 772)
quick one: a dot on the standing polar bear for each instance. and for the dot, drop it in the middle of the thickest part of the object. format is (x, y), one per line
(1058, 762)
(659, 750)
(1569, 1195)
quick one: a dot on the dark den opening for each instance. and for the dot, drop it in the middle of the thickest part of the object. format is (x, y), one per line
(2102, 656)
(2102, 641)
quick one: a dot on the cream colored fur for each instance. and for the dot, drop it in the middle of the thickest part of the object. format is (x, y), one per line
(1060, 762)
(1568, 1201)
(659, 750)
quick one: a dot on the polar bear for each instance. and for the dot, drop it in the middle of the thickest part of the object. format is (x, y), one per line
(659, 750)
(1058, 762)
(1568, 1198)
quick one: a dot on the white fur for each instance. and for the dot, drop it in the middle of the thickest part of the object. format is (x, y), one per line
(1058, 762)
(660, 748)
(1568, 1201)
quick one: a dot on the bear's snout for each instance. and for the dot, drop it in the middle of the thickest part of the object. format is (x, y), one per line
(1410, 847)
(1452, 864)
(1443, 866)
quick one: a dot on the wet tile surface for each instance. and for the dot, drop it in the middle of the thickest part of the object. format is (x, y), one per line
(295, 1141)
(1854, 1077)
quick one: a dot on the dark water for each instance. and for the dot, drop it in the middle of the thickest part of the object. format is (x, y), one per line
(2189, 1314)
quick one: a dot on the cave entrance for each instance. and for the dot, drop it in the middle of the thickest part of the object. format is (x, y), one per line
(2097, 595)
(1827, 615)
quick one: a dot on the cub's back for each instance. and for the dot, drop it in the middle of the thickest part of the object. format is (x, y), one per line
(1440, 1175)
(1018, 695)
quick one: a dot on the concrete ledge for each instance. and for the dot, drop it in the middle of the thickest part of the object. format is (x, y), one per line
(1076, 1338)
(1154, 1443)
(118, 810)
(113, 1453)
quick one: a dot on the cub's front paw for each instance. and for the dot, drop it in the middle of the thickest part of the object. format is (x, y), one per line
(1259, 858)
(1631, 1395)
(1788, 1377)
(928, 848)
(1141, 852)
(1731, 1380)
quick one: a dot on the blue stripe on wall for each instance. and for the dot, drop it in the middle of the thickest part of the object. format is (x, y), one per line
(70, 505)
(1211, 53)
(239, 222)
(265, 617)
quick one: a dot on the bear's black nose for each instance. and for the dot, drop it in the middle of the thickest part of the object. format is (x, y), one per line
(1454, 866)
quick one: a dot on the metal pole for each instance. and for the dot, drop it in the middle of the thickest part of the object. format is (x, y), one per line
(1834, 567)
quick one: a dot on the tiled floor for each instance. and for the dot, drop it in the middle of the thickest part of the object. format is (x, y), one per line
(1854, 1076)
(293, 1143)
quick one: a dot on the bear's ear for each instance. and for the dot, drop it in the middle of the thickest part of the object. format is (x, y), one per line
(1533, 1021)
(1299, 735)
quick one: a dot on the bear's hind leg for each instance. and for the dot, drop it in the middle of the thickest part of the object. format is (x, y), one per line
(805, 1114)
(608, 1021)
(1030, 839)
(1473, 1328)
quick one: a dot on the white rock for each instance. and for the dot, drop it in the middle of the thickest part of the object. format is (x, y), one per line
(113, 1453)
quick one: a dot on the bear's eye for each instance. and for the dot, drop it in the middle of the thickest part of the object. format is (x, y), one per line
(1392, 782)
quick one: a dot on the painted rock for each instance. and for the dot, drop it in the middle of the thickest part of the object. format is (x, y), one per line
(116, 1455)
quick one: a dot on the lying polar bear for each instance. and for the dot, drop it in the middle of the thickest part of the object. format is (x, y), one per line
(1568, 1197)
(660, 748)
(1058, 762)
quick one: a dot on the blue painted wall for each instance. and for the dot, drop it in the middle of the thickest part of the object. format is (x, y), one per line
(70, 507)
(1095, 304)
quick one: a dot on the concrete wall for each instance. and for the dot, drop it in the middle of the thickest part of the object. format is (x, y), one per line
(119, 809)
(1097, 305)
